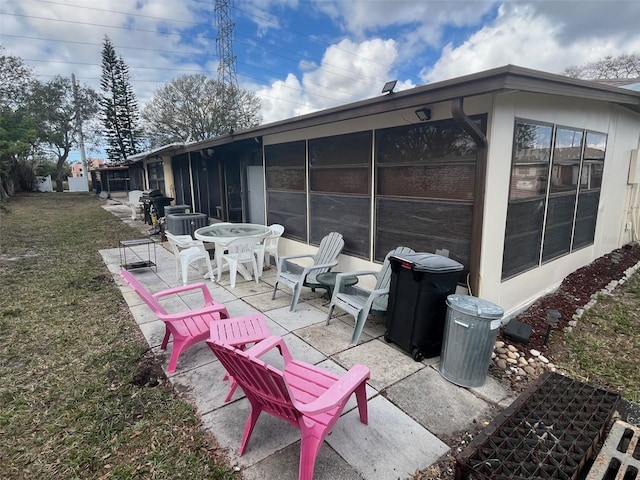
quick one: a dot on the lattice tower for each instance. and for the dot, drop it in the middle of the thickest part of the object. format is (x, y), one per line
(224, 43)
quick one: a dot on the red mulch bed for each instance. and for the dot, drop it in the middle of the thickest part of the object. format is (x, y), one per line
(574, 292)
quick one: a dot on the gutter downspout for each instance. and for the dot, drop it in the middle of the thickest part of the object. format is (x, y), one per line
(457, 111)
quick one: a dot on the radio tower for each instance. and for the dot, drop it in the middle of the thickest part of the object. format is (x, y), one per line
(224, 42)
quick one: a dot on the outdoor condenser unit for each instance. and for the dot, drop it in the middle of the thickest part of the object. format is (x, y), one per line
(185, 223)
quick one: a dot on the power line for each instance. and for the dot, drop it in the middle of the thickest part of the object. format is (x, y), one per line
(260, 47)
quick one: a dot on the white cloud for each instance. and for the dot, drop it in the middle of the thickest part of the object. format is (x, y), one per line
(348, 72)
(359, 17)
(523, 36)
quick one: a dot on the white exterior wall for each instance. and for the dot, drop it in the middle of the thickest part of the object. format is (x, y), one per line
(622, 128)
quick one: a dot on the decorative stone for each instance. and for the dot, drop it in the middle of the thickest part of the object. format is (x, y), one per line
(530, 370)
(511, 355)
(501, 364)
(501, 350)
(499, 344)
(568, 329)
(573, 323)
(512, 361)
(523, 361)
(502, 355)
(493, 355)
(534, 352)
(543, 359)
(511, 348)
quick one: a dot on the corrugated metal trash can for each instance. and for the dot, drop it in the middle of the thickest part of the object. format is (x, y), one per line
(420, 284)
(469, 336)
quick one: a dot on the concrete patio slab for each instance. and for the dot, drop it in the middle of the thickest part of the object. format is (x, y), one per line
(205, 386)
(264, 303)
(329, 339)
(304, 316)
(391, 446)
(284, 464)
(270, 434)
(387, 365)
(437, 404)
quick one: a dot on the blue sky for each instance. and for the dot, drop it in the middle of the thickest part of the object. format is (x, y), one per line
(300, 56)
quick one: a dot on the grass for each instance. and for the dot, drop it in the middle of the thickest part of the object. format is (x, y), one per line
(72, 404)
(603, 348)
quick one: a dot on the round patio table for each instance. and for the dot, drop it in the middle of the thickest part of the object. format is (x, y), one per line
(224, 233)
(327, 281)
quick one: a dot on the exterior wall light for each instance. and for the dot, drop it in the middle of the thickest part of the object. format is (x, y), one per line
(424, 114)
(389, 86)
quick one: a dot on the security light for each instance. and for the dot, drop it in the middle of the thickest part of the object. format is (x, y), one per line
(424, 114)
(389, 86)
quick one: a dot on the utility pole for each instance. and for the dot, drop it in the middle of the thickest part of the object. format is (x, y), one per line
(83, 156)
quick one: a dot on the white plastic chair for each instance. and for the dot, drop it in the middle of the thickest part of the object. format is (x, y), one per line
(241, 251)
(134, 202)
(269, 247)
(188, 251)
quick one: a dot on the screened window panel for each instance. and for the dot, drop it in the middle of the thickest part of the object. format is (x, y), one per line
(424, 226)
(345, 214)
(523, 236)
(426, 143)
(453, 181)
(290, 210)
(339, 150)
(559, 226)
(345, 180)
(285, 178)
(285, 166)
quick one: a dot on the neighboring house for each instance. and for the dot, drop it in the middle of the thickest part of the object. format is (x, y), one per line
(522, 176)
(117, 178)
(77, 170)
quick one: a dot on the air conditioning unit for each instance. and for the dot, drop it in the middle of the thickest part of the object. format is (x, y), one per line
(185, 223)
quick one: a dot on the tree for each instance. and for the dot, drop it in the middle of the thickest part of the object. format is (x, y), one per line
(119, 107)
(17, 129)
(623, 66)
(56, 108)
(196, 107)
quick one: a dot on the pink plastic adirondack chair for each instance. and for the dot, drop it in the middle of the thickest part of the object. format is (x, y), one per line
(306, 396)
(187, 327)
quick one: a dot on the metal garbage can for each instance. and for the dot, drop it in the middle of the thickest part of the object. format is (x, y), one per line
(469, 336)
(420, 284)
(177, 209)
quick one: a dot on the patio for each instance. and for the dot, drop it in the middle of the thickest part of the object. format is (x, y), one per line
(413, 410)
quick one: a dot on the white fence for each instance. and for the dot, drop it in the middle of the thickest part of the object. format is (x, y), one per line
(78, 184)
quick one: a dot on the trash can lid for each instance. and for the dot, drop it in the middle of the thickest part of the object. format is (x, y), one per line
(475, 306)
(429, 262)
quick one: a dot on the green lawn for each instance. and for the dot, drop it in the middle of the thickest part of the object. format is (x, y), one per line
(603, 348)
(74, 400)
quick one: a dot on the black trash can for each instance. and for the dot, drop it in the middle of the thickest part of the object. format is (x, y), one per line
(420, 284)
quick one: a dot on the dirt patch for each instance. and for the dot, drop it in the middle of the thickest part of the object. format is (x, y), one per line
(149, 372)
